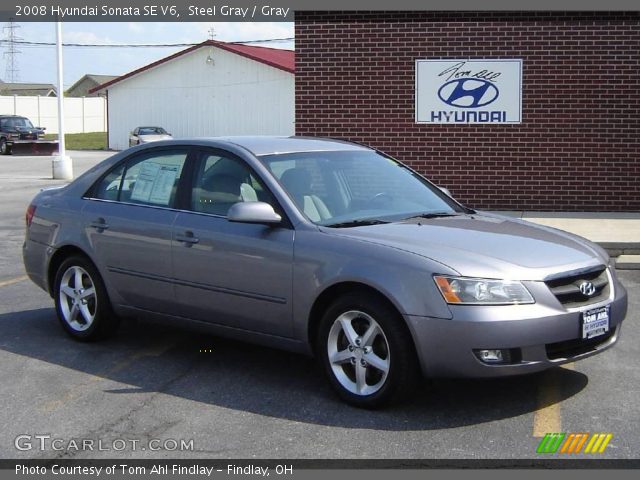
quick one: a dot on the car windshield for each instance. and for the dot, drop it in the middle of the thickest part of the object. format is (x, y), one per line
(152, 131)
(350, 188)
(17, 122)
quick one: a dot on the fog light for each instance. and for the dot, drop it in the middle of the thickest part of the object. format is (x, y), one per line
(490, 356)
(499, 356)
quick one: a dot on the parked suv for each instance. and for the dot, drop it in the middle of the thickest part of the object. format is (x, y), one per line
(18, 135)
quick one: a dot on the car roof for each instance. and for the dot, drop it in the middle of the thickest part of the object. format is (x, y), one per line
(268, 145)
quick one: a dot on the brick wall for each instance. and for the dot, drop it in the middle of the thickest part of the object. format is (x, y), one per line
(577, 148)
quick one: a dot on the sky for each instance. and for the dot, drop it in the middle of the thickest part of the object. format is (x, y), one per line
(37, 64)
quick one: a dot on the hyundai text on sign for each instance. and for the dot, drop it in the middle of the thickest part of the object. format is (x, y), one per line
(468, 91)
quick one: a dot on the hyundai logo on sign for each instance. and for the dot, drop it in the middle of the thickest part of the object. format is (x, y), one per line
(468, 93)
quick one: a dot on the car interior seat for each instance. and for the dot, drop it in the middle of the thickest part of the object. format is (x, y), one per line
(219, 192)
(297, 181)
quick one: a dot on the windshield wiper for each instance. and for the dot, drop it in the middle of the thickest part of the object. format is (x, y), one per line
(357, 223)
(433, 215)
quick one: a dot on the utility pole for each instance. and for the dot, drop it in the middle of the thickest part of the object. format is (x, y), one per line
(12, 71)
(61, 164)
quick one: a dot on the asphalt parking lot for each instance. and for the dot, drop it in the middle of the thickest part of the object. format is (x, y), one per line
(241, 401)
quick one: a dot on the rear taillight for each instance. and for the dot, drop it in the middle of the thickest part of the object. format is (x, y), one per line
(31, 211)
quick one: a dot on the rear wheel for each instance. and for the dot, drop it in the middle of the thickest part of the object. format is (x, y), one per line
(81, 300)
(367, 351)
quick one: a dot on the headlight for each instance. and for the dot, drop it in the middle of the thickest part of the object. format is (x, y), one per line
(481, 291)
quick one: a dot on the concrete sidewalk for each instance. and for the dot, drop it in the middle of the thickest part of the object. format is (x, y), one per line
(619, 233)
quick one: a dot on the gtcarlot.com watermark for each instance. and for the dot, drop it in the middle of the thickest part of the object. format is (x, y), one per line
(45, 442)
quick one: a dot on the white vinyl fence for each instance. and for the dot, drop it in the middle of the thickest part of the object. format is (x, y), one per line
(81, 114)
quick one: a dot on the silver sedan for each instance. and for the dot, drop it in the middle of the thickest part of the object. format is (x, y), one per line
(321, 247)
(141, 135)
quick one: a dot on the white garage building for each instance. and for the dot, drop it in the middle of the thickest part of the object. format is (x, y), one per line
(210, 89)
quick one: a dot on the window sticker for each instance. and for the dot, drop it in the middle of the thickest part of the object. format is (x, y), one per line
(155, 183)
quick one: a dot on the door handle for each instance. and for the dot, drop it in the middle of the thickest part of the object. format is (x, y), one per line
(100, 224)
(187, 238)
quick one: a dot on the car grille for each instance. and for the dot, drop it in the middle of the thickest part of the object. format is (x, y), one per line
(573, 348)
(566, 288)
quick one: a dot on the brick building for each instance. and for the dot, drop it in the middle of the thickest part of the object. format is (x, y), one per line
(577, 146)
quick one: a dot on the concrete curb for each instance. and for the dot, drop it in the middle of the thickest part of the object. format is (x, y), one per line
(616, 249)
(628, 262)
(617, 232)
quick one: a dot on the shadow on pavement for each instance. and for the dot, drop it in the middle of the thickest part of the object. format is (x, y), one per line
(152, 358)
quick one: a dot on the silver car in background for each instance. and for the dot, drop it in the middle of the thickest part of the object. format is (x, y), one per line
(321, 247)
(140, 135)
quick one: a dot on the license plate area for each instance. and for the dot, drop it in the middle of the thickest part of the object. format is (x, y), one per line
(595, 322)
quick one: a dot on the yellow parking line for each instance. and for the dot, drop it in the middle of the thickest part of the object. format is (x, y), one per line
(547, 418)
(11, 281)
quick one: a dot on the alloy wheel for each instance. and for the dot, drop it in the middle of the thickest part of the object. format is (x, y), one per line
(78, 300)
(358, 353)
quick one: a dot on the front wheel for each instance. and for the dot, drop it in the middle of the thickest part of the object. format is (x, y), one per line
(81, 299)
(4, 148)
(367, 351)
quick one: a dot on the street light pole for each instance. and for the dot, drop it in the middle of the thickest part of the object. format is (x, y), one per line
(61, 164)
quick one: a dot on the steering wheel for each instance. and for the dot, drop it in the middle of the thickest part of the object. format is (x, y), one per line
(381, 196)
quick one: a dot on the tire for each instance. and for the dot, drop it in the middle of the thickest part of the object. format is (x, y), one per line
(81, 300)
(4, 148)
(380, 339)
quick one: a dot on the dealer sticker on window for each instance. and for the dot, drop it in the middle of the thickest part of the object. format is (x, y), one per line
(595, 322)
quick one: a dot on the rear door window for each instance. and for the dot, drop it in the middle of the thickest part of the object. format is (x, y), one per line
(148, 179)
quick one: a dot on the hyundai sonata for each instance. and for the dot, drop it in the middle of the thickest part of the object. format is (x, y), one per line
(322, 247)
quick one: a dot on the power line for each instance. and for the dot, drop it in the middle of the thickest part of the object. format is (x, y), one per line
(267, 40)
(103, 45)
(28, 43)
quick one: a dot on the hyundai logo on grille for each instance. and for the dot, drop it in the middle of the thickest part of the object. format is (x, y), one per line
(468, 93)
(587, 289)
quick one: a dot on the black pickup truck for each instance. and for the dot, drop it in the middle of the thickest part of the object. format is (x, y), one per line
(18, 135)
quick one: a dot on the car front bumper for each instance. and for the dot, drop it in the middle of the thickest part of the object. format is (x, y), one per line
(543, 335)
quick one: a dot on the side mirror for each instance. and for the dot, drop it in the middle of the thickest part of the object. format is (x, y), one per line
(253, 212)
(446, 191)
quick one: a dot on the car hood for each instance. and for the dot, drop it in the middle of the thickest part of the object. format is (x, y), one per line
(154, 138)
(485, 245)
(24, 130)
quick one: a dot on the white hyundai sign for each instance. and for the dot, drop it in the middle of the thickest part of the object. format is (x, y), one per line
(468, 91)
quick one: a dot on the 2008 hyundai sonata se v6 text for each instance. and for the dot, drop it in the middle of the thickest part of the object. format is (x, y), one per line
(322, 247)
